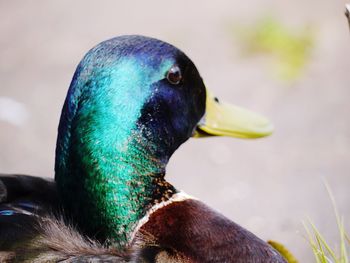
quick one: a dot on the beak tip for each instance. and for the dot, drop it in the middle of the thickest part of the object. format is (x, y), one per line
(259, 132)
(267, 130)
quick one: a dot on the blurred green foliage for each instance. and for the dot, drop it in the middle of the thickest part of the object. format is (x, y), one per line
(290, 49)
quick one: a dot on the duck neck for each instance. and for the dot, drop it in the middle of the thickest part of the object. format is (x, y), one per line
(107, 194)
(110, 164)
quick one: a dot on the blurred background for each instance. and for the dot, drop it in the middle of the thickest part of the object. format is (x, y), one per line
(289, 60)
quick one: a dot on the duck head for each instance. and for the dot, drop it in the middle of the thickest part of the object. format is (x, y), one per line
(132, 102)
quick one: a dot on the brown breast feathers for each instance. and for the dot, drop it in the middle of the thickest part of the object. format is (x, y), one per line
(193, 232)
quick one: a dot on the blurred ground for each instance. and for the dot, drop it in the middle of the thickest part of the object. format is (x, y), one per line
(269, 186)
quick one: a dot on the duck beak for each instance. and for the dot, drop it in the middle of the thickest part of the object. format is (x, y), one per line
(223, 119)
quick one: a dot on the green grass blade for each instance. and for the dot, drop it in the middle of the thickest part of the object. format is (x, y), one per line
(321, 249)
(340, 223)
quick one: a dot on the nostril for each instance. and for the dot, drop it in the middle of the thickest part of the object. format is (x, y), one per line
(216, 100)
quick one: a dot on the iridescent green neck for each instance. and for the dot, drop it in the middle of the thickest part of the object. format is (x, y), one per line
(119, 186)
(109, 170)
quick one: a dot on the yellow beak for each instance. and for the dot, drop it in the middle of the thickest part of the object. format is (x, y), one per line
(223, 119)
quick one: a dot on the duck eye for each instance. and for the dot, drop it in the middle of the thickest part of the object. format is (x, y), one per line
(174, 75)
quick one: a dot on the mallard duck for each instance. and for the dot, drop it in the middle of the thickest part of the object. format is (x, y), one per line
(132, 102)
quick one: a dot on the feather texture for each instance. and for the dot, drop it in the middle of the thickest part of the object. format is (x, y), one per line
(33, 228)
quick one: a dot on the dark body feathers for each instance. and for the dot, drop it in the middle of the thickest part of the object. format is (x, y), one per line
(33, 227)
(186, 231)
